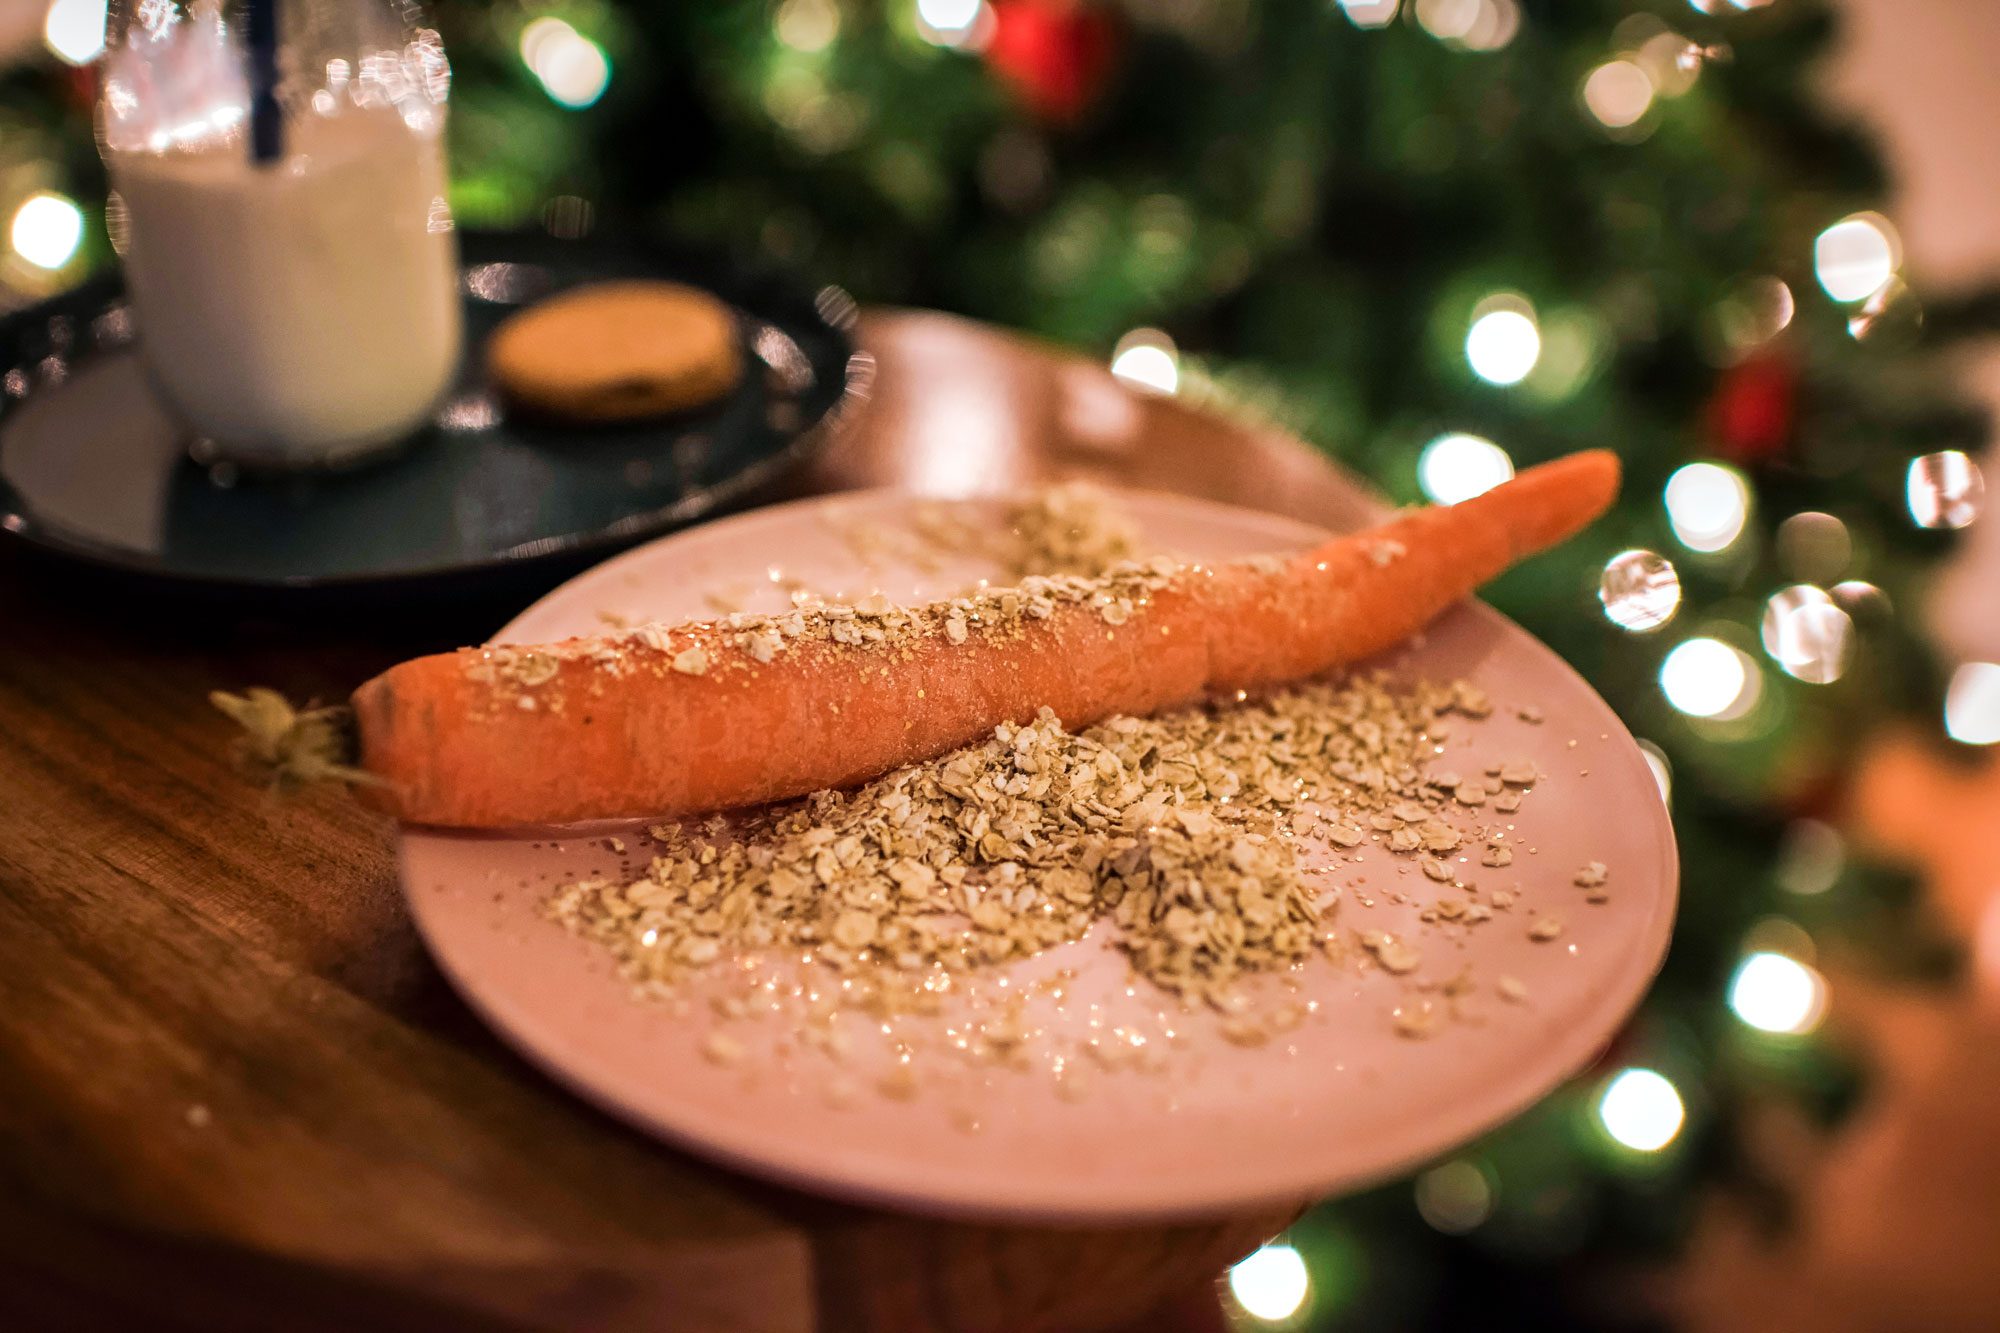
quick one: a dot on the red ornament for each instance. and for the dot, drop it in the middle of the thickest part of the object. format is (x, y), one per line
(1755, 406)
(1054, 54)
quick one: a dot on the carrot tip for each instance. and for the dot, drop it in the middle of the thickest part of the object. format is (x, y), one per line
(291, 747)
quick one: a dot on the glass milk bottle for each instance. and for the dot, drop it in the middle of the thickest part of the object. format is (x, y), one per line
(278, 179)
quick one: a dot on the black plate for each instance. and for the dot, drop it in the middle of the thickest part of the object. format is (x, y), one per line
(93, 467)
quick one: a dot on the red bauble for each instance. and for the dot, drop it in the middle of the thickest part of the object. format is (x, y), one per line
(1054, 54)
(1755, 406)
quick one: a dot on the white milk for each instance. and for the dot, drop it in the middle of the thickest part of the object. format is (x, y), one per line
(301, 312)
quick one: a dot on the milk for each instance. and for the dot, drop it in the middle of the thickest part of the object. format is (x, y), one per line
(305, 311)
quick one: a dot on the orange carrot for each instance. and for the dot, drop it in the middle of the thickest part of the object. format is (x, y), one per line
(667, 722)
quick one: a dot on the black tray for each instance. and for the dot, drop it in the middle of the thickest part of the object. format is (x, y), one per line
(93, 468)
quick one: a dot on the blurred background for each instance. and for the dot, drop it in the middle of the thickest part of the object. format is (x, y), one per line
(1749, 244)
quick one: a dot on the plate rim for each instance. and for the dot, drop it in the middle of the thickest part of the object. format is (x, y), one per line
(915, 1192)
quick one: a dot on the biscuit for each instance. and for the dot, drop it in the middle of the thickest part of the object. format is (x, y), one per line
(617, 351)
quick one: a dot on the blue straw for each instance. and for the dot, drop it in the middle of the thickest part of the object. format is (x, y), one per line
(267, 126)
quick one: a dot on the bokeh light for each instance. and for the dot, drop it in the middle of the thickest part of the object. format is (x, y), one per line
(1811, 857)
(1814, 546)
(1458, 466)
(1775, 993)
(74, 30)
(1618, 93)
(1755, 311)
(1640, 590)
(1856, 255)
(1945, 490)
(1370, 13)
(1972, 704)
(1271, 1284)
(1807, 634)
(1641, 1110)
(1456, 1197)
(572, 69)
(807, 25)
(1663, 769)
(952, 22)
(1707, 504)
(1706, 677)
(1504, 341)
(1147, 359)
(47, 230)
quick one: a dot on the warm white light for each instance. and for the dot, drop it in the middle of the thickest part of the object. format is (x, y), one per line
(1448, 20)
(1147, 359)
(1972, 704)
(1641, 1110)
(1504, 341)
(1944, 490)
(1709, 678)
(807, 25)
(1814, 546)
(1496, 26)
(1707, 504)
(1458, 466)
(1663, 772)
(572, 69)
(1774, 993)
(1856, 255)
(1455, 1198)
(1807, 634)
(47, 230)
(1271, 1284)
(1811, 858)
(1370, 13)
(1756, 310)
(74, 30)
(1618, 93)
(949, 22)
(1640, 590)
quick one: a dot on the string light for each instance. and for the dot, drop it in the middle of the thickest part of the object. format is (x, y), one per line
(960, 23)
(1944, 490)
(1641, 1110)
(807, 25)
(1458, 466)
(1448, 20)
(1775, 993)
(1504, 341)
(1814, 546)
(1811, 857)
(47, 230)
(1640, 590)
(1706, 677)
(1972, 704)
(74, 30)
(572, 69)
(1147, 359)
(1271, 1284)
(1663, 771)
(1856, 255)
(1807, 635)
(1370, 13)
(1455, 1198)
(1707, 506)
(1618, 93)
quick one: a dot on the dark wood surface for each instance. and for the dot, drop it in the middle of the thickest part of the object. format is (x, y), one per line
(234, 1093)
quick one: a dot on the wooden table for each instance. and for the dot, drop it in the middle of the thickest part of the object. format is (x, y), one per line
(234, 1093)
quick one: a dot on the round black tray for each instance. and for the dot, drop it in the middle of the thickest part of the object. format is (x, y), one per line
(94, 468)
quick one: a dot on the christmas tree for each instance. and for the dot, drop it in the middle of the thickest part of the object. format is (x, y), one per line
(1438, 238)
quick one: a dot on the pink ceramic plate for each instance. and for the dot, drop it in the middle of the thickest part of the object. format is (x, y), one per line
(1340, 1101)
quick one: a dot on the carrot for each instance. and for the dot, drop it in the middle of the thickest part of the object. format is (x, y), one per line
(711, 715)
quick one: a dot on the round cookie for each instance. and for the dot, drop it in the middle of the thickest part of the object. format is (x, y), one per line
(617, 351)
